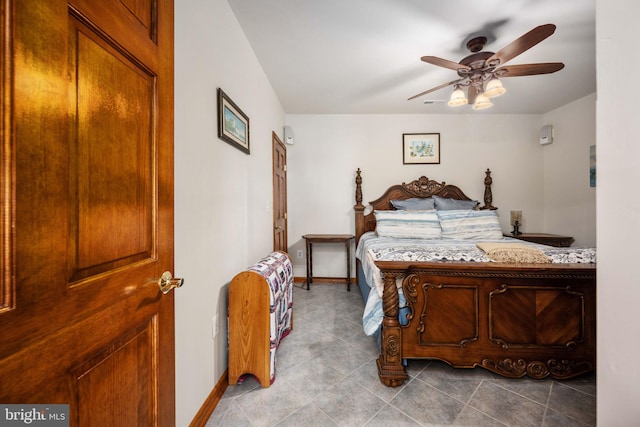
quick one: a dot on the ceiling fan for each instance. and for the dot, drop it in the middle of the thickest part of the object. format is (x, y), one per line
(488, 67)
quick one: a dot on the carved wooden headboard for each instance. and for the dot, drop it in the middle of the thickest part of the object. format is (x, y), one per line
(422, 187)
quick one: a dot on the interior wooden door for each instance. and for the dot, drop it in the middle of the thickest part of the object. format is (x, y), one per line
(87, 208)
(280, 227)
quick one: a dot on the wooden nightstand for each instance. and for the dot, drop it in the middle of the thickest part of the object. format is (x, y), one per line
(544, 239)
(328, 238)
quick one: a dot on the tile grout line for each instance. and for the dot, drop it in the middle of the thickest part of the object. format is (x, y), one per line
(468, 405)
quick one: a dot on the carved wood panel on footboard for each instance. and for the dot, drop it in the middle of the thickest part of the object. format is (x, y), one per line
(536, 320)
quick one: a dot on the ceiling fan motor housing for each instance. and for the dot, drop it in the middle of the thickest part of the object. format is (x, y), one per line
(476, 44)
(476, 62)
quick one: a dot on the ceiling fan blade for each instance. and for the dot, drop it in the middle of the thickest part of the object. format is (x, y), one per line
(444, 63)
(522, 44)
(529, 69)
(435, 89)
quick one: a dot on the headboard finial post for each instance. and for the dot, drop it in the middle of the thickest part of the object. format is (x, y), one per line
(359, 207)
(358, 187)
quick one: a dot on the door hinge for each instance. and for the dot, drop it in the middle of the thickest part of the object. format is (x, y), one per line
(285, 215)
(284, 168)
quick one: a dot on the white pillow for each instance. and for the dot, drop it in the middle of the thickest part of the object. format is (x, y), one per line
(408, 224)
(469, 224)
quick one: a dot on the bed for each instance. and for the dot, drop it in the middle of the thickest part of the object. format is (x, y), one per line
(450, 298)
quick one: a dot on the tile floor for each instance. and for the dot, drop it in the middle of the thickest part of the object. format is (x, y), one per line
(327, 376)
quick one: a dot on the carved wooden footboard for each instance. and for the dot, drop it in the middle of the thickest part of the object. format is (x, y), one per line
(536, 320)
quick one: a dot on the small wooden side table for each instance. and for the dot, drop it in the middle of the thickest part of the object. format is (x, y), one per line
(327, 238)
(544, 239)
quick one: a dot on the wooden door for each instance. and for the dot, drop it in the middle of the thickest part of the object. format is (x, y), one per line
(280, 227)
(87, 208)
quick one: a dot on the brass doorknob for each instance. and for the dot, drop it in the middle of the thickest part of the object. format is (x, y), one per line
(168, 282)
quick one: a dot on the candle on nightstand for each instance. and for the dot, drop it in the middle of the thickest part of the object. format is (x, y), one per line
(516, 216)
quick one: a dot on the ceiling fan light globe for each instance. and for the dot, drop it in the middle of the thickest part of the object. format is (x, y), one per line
(494, 88)
(457, 98)
(482, 102)
(457, 102)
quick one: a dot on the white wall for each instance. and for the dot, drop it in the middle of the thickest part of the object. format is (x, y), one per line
(329, 148)
(569, 201)
(618, 210)
(223, 197)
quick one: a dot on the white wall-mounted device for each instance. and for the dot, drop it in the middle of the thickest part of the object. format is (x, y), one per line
(546, 134)
(288, 135)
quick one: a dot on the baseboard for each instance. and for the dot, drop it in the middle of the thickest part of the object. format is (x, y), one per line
(320, 280)
(211, 402)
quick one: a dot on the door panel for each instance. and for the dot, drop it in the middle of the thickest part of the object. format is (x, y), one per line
(280, 226)
(87, 209)
(127, 365)
(114, 174)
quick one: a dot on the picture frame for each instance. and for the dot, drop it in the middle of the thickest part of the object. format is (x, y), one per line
(421, 148)
(233, 123)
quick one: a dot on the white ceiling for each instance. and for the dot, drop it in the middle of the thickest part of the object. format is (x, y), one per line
(363, 56)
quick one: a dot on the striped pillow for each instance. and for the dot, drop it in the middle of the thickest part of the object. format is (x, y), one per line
(408, 224)
(468, 224)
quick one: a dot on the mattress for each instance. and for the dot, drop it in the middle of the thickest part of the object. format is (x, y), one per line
(372, 247)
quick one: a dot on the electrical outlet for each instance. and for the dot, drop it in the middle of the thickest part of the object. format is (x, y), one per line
(300, 253)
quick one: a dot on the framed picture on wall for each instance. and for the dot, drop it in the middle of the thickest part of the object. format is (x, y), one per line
(233, 124)
(420, 148)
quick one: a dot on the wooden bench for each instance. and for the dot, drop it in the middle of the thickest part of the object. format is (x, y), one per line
(260, 315)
